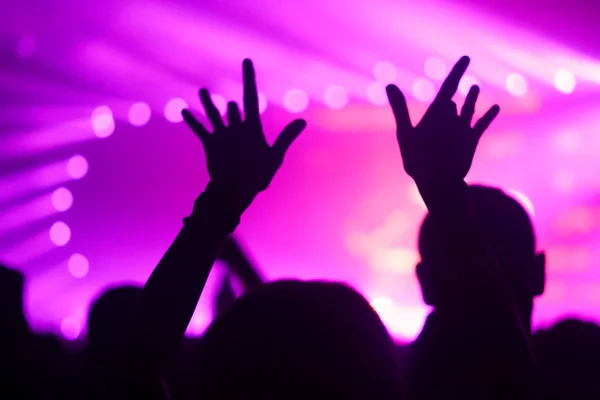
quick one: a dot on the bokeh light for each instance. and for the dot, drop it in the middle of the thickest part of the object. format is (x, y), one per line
(435, 68)
(70, 328)
(139, 113)
(62, 199)
(466, 83)
(516, 84)
(564, 81)
(295, 101)
(568, 142)
(60, 233)
(78, 265)
(26, 46)
(336, 97)
(77, 167)
(103, 121)
(384, 72)
(376, 93)
(173, 109)
(423, 90)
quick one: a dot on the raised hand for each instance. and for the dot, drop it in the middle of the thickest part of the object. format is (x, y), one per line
(442, 145)
(238, 157)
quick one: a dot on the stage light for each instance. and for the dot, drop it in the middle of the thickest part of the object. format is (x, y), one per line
(295, 101)
(139, 113)
(103, 122)
(173, 109)
(466, 83)
(423, 90)
(262, 103)
(564, 81)
(384, 72)
(70, 328)
(60, 233)
(516, 85)
(26, 46)
(220, 102)
(78, 265)
(77, 167)
(336, 97)
(435, 68)
(376, 93)
(62, 199)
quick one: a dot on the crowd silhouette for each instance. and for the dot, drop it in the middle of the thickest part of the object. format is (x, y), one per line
(480, 270)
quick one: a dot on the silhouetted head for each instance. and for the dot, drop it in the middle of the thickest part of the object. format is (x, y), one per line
(294, 339)
(108, 317)
(509, 232)
(12, 315)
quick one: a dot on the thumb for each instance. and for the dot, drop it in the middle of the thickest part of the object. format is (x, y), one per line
(287, 137)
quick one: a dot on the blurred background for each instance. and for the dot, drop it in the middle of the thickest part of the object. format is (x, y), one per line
(97, 169)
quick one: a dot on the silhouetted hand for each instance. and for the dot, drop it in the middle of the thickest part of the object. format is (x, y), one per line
(238, 156)
(442, 145)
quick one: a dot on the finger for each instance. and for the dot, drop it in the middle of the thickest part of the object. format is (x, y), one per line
(468, 109)
(233, 114)
(196, 126)
(287, 137)
(399, 108)
(250, 94)
(485, 121)
(450, 85)
(212, 112)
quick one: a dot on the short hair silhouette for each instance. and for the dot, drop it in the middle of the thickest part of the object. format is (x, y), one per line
(293, 339)
(510, 234)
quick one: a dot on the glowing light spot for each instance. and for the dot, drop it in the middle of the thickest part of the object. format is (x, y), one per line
(336, 97)
(70, 328)
(78, 265)
(423, 90)
(139, 113)
(435, 68)
(26, 46)
(564, 81)
(384, 72)
(396, 259)
(383, 306)
(564, 181)
(516, 85)
(220, 102)
(62, 199)
(103, 121)
(376, 93)
(262, 103)
(198, 324)
(465, 84)
(568, 142)
(173, 109)
(523, 200)
(77, 167)
(60, 233)
(295, 101)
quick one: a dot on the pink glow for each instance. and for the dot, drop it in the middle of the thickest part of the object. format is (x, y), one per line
(220, 102)
(139, 113)
(103, 122)
(173, 109)
(77, 167)
(78, 265)
(295, 101)
(516, 85)
(423, 90)
(62, 199)
(20, 216)
(564, 81)
(376, 93)
(70, 328)
(336, 97)
(435, 68)
(384, 72)
(60, 233)
(466, 83)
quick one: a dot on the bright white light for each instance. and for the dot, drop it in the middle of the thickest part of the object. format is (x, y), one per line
(564, 81)
(103, 121)
(173, 109)
(466, 83)
(139, 113)
(423, 90)
(435, 68)
(78, 265)
(295, 101)
(376, 93)
(336, 97)
(384, 72)
(395, 259)
(516, 84)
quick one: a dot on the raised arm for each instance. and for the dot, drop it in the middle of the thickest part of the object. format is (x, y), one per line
(437, 153)
(240, 164)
